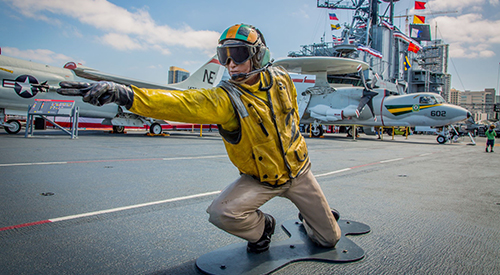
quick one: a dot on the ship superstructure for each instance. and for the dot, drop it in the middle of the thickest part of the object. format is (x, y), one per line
(396, 57)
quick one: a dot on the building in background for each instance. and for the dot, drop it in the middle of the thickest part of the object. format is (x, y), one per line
(454, 97)
(480, 103)
(432, 74)
(176, 75)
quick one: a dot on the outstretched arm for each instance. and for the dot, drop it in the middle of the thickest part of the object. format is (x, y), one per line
(204, 106)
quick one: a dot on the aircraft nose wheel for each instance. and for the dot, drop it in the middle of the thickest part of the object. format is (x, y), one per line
(316, 130)
(441, 139)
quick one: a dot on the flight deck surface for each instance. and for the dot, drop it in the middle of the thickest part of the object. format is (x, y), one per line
(133, 204)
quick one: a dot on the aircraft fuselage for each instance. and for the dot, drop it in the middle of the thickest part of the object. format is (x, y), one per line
(19, 87)
(418, 109)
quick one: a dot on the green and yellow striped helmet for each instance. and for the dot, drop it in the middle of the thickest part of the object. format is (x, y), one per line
(247, 35)
(241, 32)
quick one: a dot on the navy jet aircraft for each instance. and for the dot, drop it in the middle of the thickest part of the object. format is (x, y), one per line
(24, 81)
(341, 96)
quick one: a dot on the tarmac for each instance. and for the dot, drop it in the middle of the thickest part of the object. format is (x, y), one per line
(135, 204)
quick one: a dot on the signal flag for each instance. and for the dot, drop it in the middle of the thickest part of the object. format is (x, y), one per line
(417, 19)
(333, 16)
(419, 5)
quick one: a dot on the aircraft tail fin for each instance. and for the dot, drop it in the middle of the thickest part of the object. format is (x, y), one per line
(207, 76)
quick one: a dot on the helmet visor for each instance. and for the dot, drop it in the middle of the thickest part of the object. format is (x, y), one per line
(238, 53)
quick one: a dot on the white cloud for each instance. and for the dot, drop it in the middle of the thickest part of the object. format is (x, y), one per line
(458, 5)
(156, 67)
(469, 35)
(40, 55)
(136, 29)
(121, 41)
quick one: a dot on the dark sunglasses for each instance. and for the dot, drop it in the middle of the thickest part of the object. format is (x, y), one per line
(239, 54)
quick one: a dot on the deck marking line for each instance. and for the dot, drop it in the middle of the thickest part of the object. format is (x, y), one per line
(201, 157)
(162, 201)
(333, 172)
(111, 160)
(32, 163)
(131, 207)
(103, 160)
(24, 225)
(363, 165)
(368, 164)
(390, 160)
(71, 217)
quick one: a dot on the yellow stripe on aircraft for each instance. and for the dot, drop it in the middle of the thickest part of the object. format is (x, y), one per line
(9, 71)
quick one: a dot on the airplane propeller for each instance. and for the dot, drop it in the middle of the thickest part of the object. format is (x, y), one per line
(368, 95)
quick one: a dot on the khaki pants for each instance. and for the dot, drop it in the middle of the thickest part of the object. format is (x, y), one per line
(236, 209)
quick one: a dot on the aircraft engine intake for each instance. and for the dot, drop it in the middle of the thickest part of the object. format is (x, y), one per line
(326, 113)
(350, 111)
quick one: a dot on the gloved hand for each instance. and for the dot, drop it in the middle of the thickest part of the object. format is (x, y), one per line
(99, 93)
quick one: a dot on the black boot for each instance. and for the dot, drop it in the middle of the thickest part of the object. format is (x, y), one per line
(263, 243)
(335, 213)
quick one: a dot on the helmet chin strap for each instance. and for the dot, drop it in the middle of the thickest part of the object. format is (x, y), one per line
(243, 77)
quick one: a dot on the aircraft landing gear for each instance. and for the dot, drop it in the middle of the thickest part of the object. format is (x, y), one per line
(441, 139)
(12, 127)
(155, 129)
(118, 129)
(350, 129)
(445, 134)
(315, 130)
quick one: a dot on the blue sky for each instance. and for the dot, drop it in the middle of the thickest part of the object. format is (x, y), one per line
(142, 39)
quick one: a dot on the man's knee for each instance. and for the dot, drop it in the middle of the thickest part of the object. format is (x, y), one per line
(215, 215)
(222, 216)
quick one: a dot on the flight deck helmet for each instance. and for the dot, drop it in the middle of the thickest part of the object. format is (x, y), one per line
(242, 42)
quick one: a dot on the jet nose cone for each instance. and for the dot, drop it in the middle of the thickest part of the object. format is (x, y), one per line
(469, 114)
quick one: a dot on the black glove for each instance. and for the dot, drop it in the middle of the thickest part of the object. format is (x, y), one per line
(99, 93)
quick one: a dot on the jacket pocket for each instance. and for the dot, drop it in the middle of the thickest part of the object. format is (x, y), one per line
(301, 152)
(268, 161)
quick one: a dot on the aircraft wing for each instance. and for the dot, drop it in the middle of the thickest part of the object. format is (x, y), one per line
(95, 75)
(206, 77)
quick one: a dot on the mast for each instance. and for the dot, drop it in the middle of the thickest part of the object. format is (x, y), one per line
(374, 12)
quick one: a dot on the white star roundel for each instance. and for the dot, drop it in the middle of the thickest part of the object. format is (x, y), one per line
(24, 86)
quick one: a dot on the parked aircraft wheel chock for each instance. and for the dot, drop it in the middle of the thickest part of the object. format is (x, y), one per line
(158, 135)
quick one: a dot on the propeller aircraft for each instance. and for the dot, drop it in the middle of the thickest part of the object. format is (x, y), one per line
(342, 96)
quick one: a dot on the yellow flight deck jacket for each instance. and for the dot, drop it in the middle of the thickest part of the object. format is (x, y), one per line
(259, 123)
